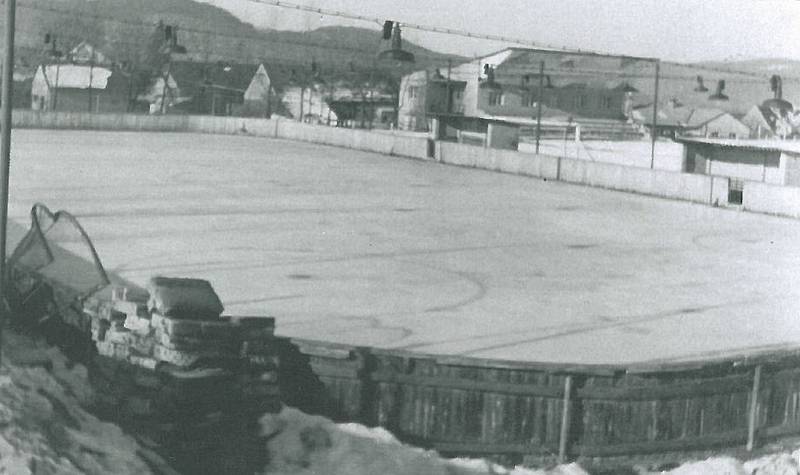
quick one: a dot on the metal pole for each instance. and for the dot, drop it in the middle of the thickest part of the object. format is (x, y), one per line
(5, 149)
(655, 118)
(539, 99)
(565, 420)
(752, 419)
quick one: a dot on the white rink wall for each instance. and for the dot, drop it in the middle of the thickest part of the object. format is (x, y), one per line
(604, 165)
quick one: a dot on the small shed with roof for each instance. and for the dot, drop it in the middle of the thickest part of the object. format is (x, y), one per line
(770, 161)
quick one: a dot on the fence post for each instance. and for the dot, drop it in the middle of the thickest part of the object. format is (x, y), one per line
(752, 419)
(565, 420)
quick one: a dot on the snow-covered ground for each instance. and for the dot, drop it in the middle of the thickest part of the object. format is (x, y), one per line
(632, 153)
(302, 444)
(365, 249)
(44, 430)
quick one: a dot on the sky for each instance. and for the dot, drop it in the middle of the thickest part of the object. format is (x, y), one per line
(678, 30)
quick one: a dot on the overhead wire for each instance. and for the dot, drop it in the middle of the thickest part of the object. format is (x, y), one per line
(328, 46)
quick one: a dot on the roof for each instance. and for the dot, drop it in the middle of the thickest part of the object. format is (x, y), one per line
(85, 53)
(76, 76)
(702, 116)
(191, 76)
(792, 147)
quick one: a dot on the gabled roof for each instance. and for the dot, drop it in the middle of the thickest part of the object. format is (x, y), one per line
(701, 116)
(191, 76)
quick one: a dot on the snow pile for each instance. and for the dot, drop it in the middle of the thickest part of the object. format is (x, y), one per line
(301, 444)
(775, 464)
(43, 429)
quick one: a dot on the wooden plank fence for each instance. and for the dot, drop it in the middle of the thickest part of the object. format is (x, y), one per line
(469, 406)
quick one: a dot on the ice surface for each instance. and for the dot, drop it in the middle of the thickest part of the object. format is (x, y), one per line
(365, 249)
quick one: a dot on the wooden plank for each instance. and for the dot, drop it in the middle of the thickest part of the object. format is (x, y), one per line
(704, 387)
(324, 349)
(565, 420)
(752, 419)
(468, 384)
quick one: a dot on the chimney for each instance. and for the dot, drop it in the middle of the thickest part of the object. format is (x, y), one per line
(700, 86)
(720, 94)
(776, 86)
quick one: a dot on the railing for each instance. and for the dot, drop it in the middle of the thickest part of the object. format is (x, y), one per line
(529, 411)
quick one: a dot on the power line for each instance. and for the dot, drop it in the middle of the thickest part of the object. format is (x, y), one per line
(328, 46)
(442, 30)
(505, 39)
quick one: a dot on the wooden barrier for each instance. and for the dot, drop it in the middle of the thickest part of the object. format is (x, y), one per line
(528, 411)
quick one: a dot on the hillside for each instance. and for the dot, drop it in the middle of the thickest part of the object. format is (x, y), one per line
(124, 28)
(766, 66)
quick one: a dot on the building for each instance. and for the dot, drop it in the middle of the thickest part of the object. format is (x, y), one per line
(576, 86)
(84, 81)
(79, 88)
(507, 84)
(767, 122)
(205, 88)
(676, 119)
(713, 123)
(768, 161)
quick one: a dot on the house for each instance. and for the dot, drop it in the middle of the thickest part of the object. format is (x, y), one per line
(79, 88)
(85, 81)
(427, 93)
(770, 161)
(580, 86)
(676, 119)
(508, 84)
(204, 88)
(771, 122)
(708, 122)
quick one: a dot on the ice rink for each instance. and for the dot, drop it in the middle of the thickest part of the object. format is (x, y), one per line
(360, 248)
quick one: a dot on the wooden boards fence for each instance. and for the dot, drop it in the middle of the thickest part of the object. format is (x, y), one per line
(468, 406)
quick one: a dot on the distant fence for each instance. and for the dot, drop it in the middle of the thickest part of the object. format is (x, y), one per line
(533, 412)
(705, 189)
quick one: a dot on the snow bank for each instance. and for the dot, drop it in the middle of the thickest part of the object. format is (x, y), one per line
(302, 444)
(44, 430)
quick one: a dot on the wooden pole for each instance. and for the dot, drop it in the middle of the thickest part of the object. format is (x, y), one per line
(752, 419)
(5, 150)
(540, 94)
(653, 131)
(565, 420)
(166, 85)
(449, 99)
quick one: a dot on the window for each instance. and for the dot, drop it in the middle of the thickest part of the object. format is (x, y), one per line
(496, 99)
(529, 100)
(413, 92)
(606, 102)
(579, 101)
(732, 135)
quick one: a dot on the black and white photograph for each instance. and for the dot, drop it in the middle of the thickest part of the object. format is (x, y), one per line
(400, 237)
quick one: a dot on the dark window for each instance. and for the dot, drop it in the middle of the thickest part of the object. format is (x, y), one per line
(735, 192)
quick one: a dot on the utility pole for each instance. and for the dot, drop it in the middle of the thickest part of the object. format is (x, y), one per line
(655, 118)
(5, 151)
(449, 98)
(540, 94)
(91, 73)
